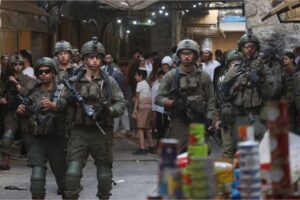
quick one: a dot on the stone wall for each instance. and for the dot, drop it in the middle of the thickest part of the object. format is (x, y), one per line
(284, 36)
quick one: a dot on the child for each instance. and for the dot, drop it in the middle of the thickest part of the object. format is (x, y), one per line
(142, 112)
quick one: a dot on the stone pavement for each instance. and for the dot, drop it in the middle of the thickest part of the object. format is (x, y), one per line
(136, 176)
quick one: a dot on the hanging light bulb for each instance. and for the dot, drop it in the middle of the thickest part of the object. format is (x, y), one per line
(119, 21)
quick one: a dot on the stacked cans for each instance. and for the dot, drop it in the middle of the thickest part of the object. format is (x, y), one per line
(197, 146)
(203, 185)
(250, 176)
(199, 178)
(169, 175)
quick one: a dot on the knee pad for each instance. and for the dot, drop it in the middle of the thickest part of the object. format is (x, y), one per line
(8, 139)
(104, 176)
(38, 181)
(73, 176)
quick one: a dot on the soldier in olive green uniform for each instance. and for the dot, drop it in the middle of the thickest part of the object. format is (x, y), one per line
(43, 122)
(63, 52)
(17, 83)
(289, 70)
(187, 93)
(267, 54)
(297, 98)
(233, 58)
(98, 91)
(247, 88)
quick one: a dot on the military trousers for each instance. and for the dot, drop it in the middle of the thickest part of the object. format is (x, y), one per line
(85, 141)
(10, 123)
(230, 135)
(44, 148)
(180, 131)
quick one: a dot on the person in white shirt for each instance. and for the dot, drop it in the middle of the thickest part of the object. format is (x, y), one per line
(142, 112)
(27, 57)
(208, 64)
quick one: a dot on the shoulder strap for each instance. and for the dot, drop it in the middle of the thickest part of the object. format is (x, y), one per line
(175, 80)
(107, 85)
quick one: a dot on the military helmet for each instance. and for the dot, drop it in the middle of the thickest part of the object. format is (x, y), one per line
(92, 47)
(233, 55)
(188, 44)
(267, 51)
(16, 59)
(62, 46)
(45, 61)
(248, 38)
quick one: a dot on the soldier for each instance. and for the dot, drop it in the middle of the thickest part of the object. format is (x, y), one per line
(247, 88)
(233, 59)
(267, 55)
(93, 134)
(63, 52)
(17, 83)
(187, 93)
(297, 98)
(289, 70)
(43, 123)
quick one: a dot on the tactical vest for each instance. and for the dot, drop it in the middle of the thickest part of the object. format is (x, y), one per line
(247, 96)
(95, 94)
(192, 88)
(45, 122)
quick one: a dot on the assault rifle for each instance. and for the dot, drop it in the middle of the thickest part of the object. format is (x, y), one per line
(245, 69)
(89, 110)
(35, 110)
(182, 103)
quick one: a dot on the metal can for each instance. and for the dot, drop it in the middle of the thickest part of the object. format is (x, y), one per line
(197, 134)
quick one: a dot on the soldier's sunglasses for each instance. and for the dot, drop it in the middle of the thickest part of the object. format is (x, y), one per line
(46, 71)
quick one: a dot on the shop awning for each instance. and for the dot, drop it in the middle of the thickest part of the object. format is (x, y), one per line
(23, 7)
(287, 11)
(129, 4)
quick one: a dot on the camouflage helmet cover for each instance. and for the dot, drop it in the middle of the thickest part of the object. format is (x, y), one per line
(62, 46)
(267, 50)
(45, 61)
(233, 55)
(16, 59)
(188, 44)
(92, 47)
(247, 38)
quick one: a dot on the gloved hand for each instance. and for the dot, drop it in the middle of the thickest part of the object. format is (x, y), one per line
(258, 65)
